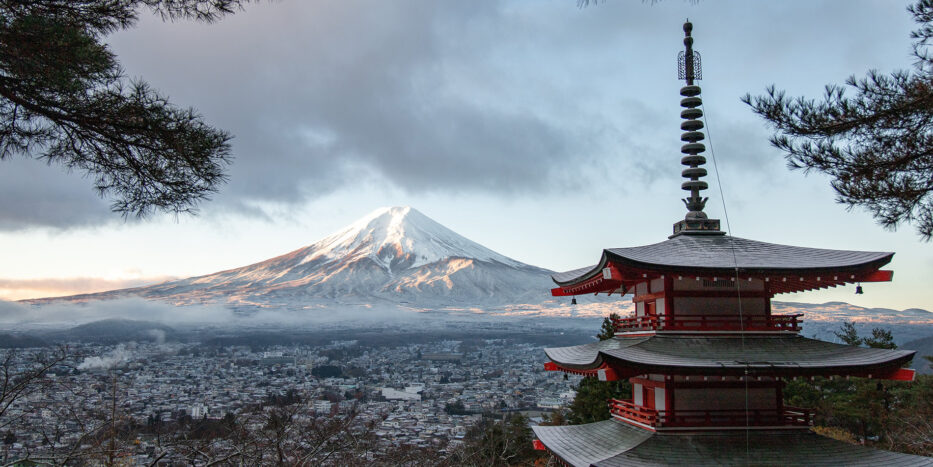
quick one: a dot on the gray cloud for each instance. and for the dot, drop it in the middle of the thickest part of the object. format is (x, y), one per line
(425, 96)
(34, 194)
(452, 96)
(50, 287)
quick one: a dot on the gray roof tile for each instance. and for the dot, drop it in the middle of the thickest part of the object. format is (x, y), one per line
(726, 253)
(781, 354)
(582, 445)
(612, 443)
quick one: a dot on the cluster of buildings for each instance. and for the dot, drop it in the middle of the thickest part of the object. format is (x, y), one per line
(418, 395)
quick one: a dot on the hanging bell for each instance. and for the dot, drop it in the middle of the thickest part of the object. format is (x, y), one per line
(858, 290)
(565, 377)
(573, 301)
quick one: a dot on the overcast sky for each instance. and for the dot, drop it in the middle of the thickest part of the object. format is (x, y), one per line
(541, 130)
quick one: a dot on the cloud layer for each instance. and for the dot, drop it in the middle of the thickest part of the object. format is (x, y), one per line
(15, 315)
(503, 98)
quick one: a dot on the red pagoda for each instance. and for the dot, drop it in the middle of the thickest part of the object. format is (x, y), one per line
(706, 358)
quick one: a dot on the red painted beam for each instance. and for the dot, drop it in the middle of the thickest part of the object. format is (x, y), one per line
(902, 374)
(603, 372)
(593, 285)
(560, 292)
(539, 446)
(879, 276)
(607, 374)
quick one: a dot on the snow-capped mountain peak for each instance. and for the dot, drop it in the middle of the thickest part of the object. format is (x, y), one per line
(393, 254)
(399, 237)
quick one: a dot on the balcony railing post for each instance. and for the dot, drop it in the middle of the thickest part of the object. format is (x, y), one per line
(709, 322)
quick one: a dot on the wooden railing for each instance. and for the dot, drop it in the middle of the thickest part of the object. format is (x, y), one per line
(709, 323)
(790, 416)
(628, 410)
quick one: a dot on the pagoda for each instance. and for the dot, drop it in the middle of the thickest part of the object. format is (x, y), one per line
(706, 357)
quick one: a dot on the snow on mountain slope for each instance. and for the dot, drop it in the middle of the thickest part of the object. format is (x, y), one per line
(400, 238)
(395, 255)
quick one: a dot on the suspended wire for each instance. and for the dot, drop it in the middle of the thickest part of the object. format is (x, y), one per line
(735, 263)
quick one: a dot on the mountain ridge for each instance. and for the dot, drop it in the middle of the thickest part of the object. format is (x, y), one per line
(393, 254)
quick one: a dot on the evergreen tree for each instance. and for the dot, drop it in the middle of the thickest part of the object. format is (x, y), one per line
(507, 442)
(880, 339)
(859, 408)
(848, 334)
(64, 99)
(591, 403)
(608, 329)
(877, 145)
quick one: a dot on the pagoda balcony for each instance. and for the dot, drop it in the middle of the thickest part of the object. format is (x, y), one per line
(751, 323)
(626, 410)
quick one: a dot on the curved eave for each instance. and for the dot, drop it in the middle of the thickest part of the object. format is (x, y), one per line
(584, 445)
(761, 355)
(759, 270)
(613, 443)
(722, 254)
(618, 279)
(587, 356)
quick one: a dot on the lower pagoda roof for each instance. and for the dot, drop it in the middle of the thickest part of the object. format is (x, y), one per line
(613, 443)
(761, 355)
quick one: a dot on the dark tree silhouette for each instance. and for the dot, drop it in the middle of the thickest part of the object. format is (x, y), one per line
(591, 403)
(608, 329)
(64, 99)
(876, 145)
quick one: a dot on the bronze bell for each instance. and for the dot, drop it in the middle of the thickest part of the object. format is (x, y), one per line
(573, 301)
(858, 290)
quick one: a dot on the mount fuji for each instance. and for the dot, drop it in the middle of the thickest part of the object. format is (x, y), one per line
(393, 255)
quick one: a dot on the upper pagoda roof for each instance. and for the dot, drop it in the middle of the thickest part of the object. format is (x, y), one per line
(760, 355)
(712, 254)
(614, 443)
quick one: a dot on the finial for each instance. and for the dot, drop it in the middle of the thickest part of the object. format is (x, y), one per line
(695, 222)
(688, 61)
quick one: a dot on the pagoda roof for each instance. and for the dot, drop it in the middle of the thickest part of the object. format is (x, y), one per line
(614, 443)
(730, 355)
(711, 254)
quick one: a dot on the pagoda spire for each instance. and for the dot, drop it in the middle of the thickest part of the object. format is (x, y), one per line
(689, 69)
